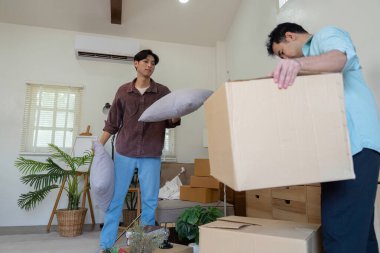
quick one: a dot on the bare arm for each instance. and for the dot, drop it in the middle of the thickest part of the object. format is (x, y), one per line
(287, 69)
(104, 137)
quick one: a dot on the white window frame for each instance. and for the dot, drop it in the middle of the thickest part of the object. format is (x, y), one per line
(169, 153)
(33, 122)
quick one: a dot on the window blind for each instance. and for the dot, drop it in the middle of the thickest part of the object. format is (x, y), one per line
(51, 115)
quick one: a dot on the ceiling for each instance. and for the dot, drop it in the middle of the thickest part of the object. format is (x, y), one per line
(198, 22)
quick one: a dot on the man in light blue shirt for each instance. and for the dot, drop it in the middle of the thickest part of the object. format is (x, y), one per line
(347, 206)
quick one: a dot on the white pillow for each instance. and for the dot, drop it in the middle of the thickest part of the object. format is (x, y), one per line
(102, 177)
(175, 105)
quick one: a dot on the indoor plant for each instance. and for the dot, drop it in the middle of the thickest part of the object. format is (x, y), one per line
(46, 176)
(187, 224)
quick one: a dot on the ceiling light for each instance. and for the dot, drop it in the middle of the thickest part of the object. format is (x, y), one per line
(183, 1)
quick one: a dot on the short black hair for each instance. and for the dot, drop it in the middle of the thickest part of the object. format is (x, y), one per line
(143, 54)
(278, 34)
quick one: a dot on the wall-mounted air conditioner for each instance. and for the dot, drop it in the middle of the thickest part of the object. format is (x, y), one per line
(107, 48)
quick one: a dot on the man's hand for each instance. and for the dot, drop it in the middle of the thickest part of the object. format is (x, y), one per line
(285, 72)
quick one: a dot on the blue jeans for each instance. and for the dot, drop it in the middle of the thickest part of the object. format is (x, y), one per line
(348, 208)
(149, 179)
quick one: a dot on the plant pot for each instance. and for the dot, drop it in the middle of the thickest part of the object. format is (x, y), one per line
(129, 216)
(195, 247)
(70, 222)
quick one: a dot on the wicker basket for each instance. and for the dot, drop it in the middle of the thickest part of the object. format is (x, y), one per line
(70, 222)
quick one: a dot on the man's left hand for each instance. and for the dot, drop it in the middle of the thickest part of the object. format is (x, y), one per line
(286, 72)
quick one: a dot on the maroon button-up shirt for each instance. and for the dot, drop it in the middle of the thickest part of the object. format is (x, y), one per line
(134, 138)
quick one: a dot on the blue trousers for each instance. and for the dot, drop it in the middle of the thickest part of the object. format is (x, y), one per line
(348, 208)
(149, 179)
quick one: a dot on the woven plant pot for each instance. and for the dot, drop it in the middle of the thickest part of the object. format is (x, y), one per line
(70, 222)
(129, 216)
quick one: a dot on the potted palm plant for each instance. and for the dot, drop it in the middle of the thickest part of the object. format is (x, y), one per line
(43, 177)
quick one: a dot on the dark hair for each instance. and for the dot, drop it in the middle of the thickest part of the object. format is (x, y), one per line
(278, 34)
(143, 54)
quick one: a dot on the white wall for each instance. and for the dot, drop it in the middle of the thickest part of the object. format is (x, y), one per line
(245, 44)
(47, 56)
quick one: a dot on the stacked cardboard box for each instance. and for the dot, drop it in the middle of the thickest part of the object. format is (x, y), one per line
(203, 187)
(262, 137)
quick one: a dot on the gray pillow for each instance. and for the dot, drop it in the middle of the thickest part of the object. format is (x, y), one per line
(102, 177)
(175, 105)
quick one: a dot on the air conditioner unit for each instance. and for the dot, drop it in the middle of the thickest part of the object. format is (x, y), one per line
(106, 48)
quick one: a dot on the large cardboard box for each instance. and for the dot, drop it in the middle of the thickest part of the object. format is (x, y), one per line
(254, 235)
(260, 136)
(197, 194)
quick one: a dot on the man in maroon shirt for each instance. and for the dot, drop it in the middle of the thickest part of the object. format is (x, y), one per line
(138, 144)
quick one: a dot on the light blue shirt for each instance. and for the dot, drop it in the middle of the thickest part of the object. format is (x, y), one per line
(361, 111)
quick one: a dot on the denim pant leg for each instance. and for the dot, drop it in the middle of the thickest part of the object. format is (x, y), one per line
(348, 208)
(124, 169)
(149, 179)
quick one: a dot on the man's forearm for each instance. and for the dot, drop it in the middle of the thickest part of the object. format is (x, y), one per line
(332, 61)
(104, 137)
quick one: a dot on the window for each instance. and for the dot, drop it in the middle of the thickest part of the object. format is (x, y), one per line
(168, 153)
(281, 3)
(51, 115)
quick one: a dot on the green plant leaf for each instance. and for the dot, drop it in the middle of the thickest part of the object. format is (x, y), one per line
(45, 176)
(29, 200)
(27, 166)
(187, 224)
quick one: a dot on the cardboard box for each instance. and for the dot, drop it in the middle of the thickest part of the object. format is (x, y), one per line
(202, 167)
(206, 182)
(260, 136)
(196, 194)
(177, 248)
(254, 235)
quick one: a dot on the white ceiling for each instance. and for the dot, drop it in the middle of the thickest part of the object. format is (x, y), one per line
(198, 22)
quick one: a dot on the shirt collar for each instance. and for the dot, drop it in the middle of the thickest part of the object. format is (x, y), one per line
(152, 88)
(306, 46)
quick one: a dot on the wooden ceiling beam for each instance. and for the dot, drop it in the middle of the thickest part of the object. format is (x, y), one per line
(116, 7)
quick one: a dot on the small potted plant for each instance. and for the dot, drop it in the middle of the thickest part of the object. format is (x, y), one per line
(187, 224)
(46, 176)
(130, 212)
(142, 240)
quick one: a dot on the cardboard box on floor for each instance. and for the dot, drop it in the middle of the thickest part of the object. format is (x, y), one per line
(254, 235)
(177, 248)
(198, 194)
(206, 182)
(260, 136)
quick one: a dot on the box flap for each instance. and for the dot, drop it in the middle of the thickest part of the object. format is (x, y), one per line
(228, 224)
(267, 227)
